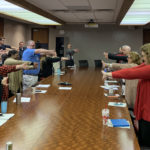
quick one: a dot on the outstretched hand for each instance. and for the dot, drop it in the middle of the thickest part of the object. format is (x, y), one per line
(103, 64)
(76, 50)
(5, 81)
(24, 66)
(104, 75)
(106, 55)
(64, 58)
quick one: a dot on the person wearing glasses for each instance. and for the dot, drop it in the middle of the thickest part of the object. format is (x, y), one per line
(134, 59)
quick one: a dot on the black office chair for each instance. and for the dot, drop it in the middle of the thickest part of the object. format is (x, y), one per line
(98, 63)
(83, 63)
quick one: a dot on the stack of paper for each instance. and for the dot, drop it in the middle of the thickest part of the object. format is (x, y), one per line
(4, 118)
(43, 85)
(110, 81)
(23, 100)
(65, 88)
(115, 95)
(107, 87)
(123, 123)
(117, 104)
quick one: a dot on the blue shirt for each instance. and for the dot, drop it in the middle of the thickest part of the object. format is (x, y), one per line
(29, 55)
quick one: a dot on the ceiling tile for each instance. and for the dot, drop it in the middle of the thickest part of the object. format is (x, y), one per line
(84, 15)
(75, 2)
(103, 4)
(48, 4)
(66, 16)
(104, 15)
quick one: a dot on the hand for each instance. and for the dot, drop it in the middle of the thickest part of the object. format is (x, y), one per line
(136, 124)
(22, 66)
(103, 64)
(64, 58)
(76, 50)
(52, 52)
(106, 55)
(35, 65)
(104, 75)
(5, 81)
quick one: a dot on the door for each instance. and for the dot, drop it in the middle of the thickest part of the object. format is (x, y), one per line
(1, 27)
(41, 37)
(146, 36)
(60, 46)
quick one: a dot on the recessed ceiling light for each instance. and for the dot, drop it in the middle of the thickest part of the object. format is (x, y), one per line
(138, 14)
(13, 10)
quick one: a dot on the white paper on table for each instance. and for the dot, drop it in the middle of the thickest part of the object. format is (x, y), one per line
(117, 104)
(108, 87)
(40, 91)
(109, 124)
(23, 100)
(113, 86)
(62, 72)
(65, 88)
(110, 81)
(2, 121)
(105, 94)
(6, 116)
(43, 85)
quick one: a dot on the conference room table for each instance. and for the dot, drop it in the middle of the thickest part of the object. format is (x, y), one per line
(67, 119)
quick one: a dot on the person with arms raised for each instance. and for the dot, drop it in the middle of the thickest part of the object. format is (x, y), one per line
(142, 103)
(30, 77)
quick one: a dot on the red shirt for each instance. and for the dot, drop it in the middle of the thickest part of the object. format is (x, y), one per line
(142, 104)
(3, 72)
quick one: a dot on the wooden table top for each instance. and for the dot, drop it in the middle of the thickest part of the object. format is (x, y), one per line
(67, 120)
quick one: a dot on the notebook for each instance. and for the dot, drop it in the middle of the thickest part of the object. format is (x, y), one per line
(120, 123)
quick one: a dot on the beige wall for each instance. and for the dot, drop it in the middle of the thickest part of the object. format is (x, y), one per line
(93, 42)
(14, 32)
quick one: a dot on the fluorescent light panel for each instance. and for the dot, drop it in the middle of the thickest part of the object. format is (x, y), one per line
(13, 10)
(138, 14)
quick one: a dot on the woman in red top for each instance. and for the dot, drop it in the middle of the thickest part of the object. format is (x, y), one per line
(142, 104)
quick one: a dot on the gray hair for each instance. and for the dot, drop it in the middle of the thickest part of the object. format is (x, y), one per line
(126, 47)
(29, 42)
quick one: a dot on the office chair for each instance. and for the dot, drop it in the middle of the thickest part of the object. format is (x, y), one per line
(83, 63)
(98, 63)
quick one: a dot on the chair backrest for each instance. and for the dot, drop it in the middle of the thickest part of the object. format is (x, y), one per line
(98, 63)
(83, 63)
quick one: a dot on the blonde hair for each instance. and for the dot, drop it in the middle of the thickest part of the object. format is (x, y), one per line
(146, 49)
(135, 57)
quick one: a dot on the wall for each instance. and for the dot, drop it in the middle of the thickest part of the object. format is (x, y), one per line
(93, 42)
(14, 32)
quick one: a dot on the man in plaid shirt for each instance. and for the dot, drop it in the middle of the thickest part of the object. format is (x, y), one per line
(4, 70)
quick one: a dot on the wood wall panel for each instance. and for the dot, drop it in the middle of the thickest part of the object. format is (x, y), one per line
(1, 27)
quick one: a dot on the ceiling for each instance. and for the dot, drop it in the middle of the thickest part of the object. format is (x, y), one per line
(81, 11)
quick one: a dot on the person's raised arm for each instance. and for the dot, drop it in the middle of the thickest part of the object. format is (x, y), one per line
(133, 73)
(115, 57)
(76, 50)
(45, 52)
